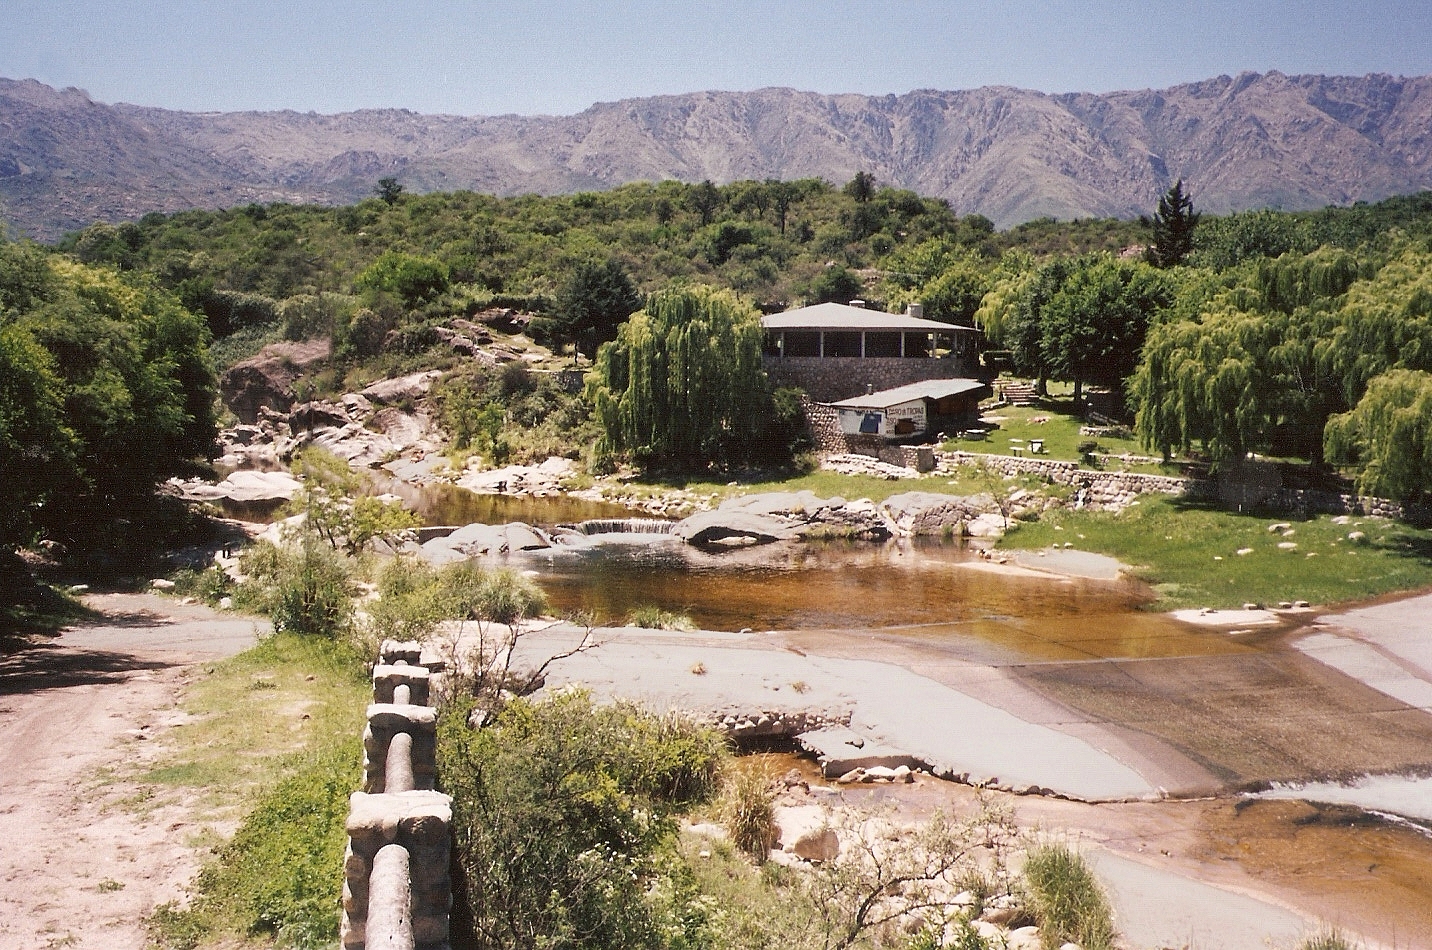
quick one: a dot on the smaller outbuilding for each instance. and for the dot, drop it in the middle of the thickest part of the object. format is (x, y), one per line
(930, 406)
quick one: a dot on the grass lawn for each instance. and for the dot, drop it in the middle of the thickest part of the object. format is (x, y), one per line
(1052, 420)
(278, 740)
(1190, 553)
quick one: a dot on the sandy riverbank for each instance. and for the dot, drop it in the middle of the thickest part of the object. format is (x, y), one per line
(1211, 872)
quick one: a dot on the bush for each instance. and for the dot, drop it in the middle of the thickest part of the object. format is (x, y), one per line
(654, 618)
(310, 594)
(748, 810)
(562, 814)
(1067, 899)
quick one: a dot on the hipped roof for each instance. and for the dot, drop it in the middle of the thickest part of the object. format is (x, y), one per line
(926, 389)
(839, 316)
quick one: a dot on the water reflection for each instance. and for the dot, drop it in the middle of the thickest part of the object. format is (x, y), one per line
(933, 592)
(451, 505)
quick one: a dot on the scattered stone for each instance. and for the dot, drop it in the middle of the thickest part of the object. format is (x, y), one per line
(161, 583)
(1242, 551)
(822, 844)
(1287, 545)
(1356, 537)
(1279, 527)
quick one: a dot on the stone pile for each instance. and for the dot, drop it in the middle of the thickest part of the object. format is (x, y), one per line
(396, 886)
(771, 724)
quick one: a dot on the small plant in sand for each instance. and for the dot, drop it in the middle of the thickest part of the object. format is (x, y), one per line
(1067, 900)
(1327, 940)
(748, 808)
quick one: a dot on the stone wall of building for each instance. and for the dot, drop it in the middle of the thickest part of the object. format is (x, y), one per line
(833, 378)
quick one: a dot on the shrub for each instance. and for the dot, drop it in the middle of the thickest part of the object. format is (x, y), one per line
(281, 874)
(310, 594)
(749, 810)
(562, 812)
(1067, 899)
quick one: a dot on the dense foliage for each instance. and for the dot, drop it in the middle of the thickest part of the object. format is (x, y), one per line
(1260, 325)
(682, 386)
(105, 390)
(563, 814)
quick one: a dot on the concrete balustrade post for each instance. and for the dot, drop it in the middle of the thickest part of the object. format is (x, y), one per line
(390, 901)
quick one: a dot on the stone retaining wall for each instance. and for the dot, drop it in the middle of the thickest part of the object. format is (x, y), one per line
(832, 378)
(411, 815)
(1118, 488)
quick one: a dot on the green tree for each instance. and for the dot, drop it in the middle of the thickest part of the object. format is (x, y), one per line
(388, 189)
(1173, 225)
(107, 384)
(411, 278)
(1387, 437)
(36, 449)
(835, 284)
(704, 199)
(682, 385)
(592, 303)
(861, 187)
(1093, 326)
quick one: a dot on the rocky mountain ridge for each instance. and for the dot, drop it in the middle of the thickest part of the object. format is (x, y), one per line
(1255, 140)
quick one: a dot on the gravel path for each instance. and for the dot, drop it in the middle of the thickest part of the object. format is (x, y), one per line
(84, 862)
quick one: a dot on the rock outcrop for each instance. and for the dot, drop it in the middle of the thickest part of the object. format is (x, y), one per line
(265, 381)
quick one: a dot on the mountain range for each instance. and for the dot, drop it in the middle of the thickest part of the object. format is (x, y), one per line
(1251, 141)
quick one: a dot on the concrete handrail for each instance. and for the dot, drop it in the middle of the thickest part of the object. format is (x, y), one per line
(396, 893)
(390, 900)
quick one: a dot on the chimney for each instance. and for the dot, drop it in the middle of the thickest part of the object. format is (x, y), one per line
(858, 303)
(869, 389)
(916, 310)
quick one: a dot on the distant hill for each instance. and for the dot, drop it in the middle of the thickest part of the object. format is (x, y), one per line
(1257, 140)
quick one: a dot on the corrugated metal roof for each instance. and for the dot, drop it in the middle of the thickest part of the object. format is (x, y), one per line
(839, 316)
(928, 389)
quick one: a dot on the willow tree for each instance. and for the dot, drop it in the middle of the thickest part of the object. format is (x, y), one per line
(682, 385)
(1388, 436)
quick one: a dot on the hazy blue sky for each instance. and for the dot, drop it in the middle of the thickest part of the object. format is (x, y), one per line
(479, 57)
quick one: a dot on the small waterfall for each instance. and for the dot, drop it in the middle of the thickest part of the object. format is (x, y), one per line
(625, 526)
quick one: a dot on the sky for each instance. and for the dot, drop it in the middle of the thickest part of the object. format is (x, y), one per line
(490, 57)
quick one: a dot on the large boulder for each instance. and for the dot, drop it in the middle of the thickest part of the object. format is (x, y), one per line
(404, 389)
(243, 487)
(266, 379)
(724, 526)
(478, 540)
(918, 512)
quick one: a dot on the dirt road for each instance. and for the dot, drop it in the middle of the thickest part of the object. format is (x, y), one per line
(83, 860)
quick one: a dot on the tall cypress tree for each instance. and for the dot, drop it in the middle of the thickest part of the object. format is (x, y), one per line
(1174, 222)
